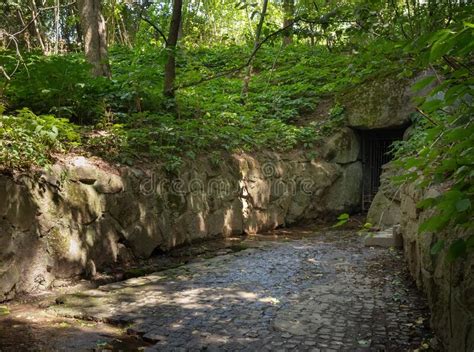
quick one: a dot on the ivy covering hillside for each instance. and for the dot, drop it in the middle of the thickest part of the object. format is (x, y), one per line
(135, 122)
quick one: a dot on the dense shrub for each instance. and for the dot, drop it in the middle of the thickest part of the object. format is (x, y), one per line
(59, 85)
(441, 150)
(27, 139)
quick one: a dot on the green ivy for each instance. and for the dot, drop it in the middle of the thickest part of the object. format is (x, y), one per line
(441, 150)
(27, 139)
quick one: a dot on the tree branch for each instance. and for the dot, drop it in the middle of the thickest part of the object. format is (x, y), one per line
(155, 27)
(38, 14)
(18, 54)
(244, 65)
(426, 116)
(253, 53)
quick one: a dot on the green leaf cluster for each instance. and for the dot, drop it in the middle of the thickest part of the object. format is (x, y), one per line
(441, 152)
(29, 140)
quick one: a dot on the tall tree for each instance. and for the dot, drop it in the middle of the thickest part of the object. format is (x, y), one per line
(172, 41)
(95, 38)
(258, 34)
(288, 20)
(36, 25)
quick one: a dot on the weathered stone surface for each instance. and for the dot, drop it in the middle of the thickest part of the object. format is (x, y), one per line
(449, 287)
(86, 210)
(383, 212)
(18, 209)
(388, 238)
(109, 184)
(343, 147)
(144, 236)
(346, 193)
(380, 103)
(386, 102)
(387, 186)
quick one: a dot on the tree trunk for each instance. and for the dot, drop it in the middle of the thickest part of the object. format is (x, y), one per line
(258, 32)
(95, 38)
(37, 25)
(170, 67)
(26, 34)
(288, 20)
(56, 27)
(126, 37)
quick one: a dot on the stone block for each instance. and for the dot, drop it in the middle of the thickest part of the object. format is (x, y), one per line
(387, 238)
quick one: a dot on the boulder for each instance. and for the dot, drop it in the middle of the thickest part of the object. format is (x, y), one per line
(380, 103)
(343, 147)
(383, 102)
(346, 193)
(108, 184)
(82, 202)
(387, 186)
(16, 204)
(384, 212)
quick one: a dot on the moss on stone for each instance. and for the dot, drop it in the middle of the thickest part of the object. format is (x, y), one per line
(58, 242)
(381, 102)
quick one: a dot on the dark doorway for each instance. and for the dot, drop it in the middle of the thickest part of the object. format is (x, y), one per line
(375, 153)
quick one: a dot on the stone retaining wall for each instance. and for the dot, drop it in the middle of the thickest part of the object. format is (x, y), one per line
(84, 213)
(449, 287)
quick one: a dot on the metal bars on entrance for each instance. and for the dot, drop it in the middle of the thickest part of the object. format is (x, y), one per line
(375, 153)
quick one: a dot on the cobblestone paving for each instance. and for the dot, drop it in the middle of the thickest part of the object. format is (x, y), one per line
(321, 293)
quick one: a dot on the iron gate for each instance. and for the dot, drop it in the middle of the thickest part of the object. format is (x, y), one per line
(375, 153)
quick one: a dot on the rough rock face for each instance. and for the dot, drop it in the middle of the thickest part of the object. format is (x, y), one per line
(384, 211)
(343, 147)
(345, 194)
(381, 103)
(84, 214)
(449, 287)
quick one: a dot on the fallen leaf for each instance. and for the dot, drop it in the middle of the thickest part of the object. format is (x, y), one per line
(4, 310)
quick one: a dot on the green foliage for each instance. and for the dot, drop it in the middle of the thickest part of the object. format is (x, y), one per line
(438, 247)
(108, 143)
(166, 138)
(128, 118)
(27, 139)
(59, 85)
(4, 310)
(342, 220)
(441, 151)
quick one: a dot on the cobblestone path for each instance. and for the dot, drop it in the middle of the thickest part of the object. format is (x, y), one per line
(320, 293)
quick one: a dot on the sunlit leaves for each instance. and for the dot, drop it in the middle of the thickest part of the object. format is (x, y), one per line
(27, 139)
(423, 83)
(342, 220)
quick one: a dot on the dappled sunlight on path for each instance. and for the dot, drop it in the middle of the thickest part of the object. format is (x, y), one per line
(320, 292)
